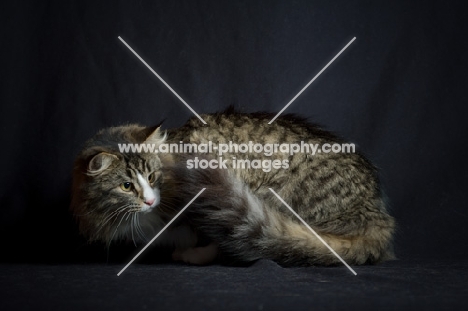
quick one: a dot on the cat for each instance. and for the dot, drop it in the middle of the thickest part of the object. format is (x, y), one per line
(132, 195)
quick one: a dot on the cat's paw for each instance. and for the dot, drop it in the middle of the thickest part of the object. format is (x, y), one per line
(197, 255)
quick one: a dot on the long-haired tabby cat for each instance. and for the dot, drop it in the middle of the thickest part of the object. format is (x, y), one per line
(131, 196)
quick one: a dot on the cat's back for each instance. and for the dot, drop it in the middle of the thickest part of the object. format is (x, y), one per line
(331, 173)
(337, 192)
(238, 127)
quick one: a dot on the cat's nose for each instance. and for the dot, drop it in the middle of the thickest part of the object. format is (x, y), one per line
(149, 201)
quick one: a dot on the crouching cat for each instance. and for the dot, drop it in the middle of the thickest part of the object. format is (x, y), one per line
(133, 195)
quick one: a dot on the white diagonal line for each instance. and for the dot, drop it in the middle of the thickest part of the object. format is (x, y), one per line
(162, 230)
(313, 79)
(162, 80)
(315, 233)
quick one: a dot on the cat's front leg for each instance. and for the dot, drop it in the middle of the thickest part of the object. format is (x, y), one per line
(197, 255)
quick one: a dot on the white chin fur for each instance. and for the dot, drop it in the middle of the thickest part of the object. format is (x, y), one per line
(149, 194)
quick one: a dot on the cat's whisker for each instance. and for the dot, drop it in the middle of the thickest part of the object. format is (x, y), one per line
(117, 226)
(132, 224)
(110, 215)
(136, 221)
(168, 207)
(126, 208)
(168, 204)
(139, 229)
(114, 214)
(85, 214)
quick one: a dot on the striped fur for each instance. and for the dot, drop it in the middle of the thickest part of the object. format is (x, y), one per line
(336, 194)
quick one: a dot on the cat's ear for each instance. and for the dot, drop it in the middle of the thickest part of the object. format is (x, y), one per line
(100, 162)
(155, 136)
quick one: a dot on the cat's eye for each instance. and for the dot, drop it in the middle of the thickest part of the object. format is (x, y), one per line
(151, 177)
(126, 186)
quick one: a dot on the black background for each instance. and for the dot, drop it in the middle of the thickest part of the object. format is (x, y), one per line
(398, 92)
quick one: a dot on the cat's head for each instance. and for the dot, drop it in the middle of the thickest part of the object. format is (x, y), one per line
(117, 194)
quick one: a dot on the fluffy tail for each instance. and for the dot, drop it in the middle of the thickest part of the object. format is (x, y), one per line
(246, 229)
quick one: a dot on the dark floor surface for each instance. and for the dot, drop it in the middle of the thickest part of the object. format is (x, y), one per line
(396, 285)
